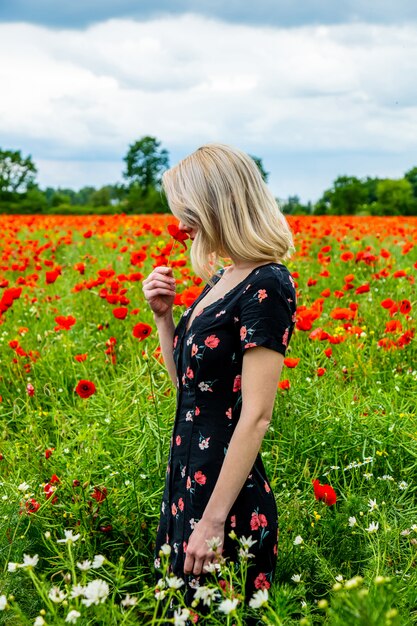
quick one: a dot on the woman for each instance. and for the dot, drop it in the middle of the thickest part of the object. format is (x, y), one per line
(225, 357)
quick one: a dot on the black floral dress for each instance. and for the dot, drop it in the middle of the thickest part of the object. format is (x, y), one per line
(259, 311)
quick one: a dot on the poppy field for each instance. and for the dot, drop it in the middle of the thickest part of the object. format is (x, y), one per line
(87, 409)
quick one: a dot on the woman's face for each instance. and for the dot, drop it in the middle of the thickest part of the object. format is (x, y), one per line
(187, 229)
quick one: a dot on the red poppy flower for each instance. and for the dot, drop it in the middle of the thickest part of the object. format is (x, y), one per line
(31, 506)
(48, 452)
(291, 362)
(177, 234)
(64, 322)
(30, 389)
(85, 388)
(99, 494)
(121, 312)
(324, 492)
(141, 331)
(80, 357)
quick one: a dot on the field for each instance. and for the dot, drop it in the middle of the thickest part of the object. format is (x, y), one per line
(82, 464)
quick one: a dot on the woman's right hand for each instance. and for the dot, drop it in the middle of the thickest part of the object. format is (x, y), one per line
(159, 290)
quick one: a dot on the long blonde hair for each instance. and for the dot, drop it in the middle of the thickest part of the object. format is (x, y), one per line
(219, 190)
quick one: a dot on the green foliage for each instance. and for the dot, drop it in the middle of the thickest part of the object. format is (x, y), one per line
(17, 173)
(145, 163)
(395, 197)
(258, 161)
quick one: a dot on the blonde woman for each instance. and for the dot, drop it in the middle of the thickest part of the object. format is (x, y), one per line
(225, 357)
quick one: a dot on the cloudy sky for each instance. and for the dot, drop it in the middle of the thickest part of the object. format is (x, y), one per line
(316, 88)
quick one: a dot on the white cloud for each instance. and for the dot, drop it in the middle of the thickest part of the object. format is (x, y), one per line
(189, 79)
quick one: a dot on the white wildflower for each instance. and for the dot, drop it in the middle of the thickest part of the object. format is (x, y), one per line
(352, 521)
(298, 540)
(85, 565)
(23, 486)
(174, 582)
(214, 543)
(296, 578)
(166, 549)
(210, 568)
(12, 567)
(39, 621)
(373, 527)
(56, 595)
(405, 532)
(228, 606)
(181, 616)
(95, 592)
(77, 590)
(247, 542)
(372, 505)
(259, 598)
(29, 561)
(206, 594)
(402, 485)
(69, 536)
(98, 561)
(3, 602)
(339, 578)
(367, 475)
(129, 600)
(73, 616)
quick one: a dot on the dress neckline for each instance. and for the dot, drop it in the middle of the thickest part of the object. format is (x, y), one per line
(232, 290)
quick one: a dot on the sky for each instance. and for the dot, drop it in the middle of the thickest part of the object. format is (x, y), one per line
(315, 89)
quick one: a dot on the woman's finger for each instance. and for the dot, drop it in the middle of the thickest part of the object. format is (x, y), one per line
(188, 564)
(198, 564)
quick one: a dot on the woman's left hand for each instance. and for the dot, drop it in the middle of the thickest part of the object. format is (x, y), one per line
(198, 553)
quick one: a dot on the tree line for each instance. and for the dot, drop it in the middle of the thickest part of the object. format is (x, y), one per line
(140, 191)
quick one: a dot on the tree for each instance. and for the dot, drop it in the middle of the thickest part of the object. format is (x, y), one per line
(346, 197)
(16, 173)
(258, 162)
(395, 197)
(411, 176)
(145, 163)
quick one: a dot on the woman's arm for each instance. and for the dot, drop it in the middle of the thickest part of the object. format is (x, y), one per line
(165, 326)
(261, 371)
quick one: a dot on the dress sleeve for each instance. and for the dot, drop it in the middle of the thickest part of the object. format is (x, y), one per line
(267, 312)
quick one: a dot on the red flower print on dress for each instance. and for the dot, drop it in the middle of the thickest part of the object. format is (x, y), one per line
(174, 508)
(175, 341)
(252, 344)
(233, 521)
(188, 482)
(189, 373)
(197, 411)
(324, 492)
(194, 349)
(285, 338)
(229, 412)
(212, 341)
(261, 582)
(181, 504)
(258, 521)
(178, 440)
(262, 294)
(236, 382)
(243, 333)
(200, 478)
(267, 487)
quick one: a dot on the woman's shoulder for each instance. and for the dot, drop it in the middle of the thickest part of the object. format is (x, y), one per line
(273, 276)
(277, 273)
